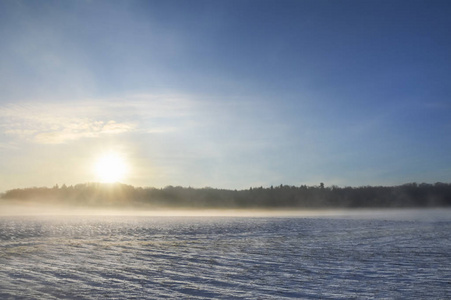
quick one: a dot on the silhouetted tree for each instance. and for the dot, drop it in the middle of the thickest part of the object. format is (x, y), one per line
(97, 194)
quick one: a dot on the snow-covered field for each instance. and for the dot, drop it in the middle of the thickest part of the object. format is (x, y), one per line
(348, 255)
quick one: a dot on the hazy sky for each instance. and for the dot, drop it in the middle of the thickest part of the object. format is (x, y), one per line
(227, 94)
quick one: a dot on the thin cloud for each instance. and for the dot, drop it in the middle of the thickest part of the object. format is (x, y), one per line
(56, 123)
(82, 130)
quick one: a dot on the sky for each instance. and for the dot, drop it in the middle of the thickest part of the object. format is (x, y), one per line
(226, 94)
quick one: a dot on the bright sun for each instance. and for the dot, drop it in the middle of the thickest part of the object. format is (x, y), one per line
(111, 167)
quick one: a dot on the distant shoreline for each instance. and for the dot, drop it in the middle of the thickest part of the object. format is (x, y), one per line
(118, 195)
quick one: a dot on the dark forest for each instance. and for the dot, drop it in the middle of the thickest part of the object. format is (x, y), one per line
(282, 196)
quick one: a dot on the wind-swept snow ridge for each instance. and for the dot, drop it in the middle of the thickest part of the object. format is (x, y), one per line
(223, 258)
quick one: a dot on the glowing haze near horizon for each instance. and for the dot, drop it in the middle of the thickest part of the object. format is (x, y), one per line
(228, 94)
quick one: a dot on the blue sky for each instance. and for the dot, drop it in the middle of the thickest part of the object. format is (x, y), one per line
(227, 94)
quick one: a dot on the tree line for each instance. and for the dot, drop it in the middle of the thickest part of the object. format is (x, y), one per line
(282, 196)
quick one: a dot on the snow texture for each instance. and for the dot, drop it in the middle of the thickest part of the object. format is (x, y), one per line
(224, 258)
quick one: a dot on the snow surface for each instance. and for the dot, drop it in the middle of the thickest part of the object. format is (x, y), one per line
(132, 257)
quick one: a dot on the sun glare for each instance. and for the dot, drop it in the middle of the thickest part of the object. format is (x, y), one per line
(111, 168)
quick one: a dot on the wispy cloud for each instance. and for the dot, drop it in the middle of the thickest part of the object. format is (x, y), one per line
(83, 129)
(56, 123)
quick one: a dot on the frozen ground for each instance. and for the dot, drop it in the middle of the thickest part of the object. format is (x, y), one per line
(341, 256)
